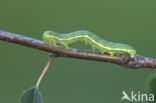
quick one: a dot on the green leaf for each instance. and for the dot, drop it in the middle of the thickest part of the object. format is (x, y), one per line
(151, 86)
(31, 95)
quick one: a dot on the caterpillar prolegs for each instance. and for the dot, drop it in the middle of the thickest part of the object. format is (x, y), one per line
(90, 38)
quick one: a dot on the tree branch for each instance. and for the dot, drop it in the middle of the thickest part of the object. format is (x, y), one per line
(58, 51)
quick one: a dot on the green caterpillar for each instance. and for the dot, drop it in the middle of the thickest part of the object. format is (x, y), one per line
(88, 37)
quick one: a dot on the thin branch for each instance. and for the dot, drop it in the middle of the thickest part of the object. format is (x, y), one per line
(58, 51)
(44, 71)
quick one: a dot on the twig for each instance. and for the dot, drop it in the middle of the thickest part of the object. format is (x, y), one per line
(44, 71)
(58, 51)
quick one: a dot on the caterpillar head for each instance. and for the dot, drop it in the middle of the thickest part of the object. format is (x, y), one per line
(50, 37)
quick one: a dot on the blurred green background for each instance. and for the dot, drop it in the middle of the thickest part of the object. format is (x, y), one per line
(72, 80)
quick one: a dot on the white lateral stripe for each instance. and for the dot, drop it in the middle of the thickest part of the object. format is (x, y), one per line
(109, 48)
